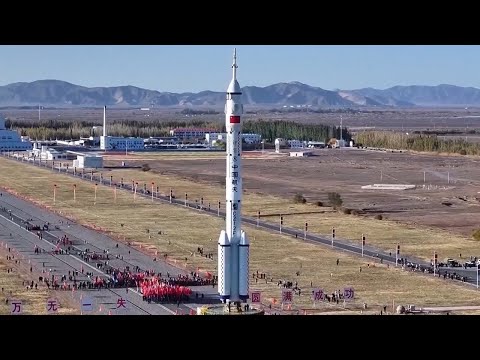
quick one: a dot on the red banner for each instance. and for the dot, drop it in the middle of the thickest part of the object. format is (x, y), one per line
(234, 119)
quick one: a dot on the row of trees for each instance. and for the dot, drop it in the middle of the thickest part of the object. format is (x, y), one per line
(428, 143)
(270, 130)
(66, 130)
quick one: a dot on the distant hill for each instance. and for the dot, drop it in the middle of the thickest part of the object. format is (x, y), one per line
(56, 93)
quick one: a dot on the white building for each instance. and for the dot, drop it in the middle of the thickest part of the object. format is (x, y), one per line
(340, 143)
(252, 138)
(316, 144)
(211, 138)
(121, 143)
(10, 140)
(191, 132)
(300, 153)
(296, 144)
(88, 161)
(45, 153)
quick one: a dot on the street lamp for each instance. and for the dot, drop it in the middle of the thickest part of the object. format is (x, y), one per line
(477, 275)
(363, 243)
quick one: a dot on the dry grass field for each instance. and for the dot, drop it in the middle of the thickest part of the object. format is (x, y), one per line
(34, 301)
(438, 218)
(252, 201)
(418, 241)
(415, 240)
(183, 230)
(448, 199)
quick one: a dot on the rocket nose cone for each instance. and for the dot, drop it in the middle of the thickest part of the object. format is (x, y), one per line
(223, 238)
(244, 239)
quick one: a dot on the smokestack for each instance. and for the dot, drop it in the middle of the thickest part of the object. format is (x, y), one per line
(104, 121)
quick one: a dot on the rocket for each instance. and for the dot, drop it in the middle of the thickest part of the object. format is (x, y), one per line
(233, 244)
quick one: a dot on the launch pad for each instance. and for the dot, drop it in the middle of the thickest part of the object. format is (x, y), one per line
(222, 309)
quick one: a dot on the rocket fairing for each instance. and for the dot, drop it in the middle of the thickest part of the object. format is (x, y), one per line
(233, 244)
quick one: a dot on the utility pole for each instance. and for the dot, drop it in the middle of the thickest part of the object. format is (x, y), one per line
(363, 243)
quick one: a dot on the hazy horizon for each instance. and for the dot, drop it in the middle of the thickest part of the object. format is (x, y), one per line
(196, 68)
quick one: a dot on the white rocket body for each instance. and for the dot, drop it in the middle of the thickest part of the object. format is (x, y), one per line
(233, 269)
(243, 256)
(223, 268)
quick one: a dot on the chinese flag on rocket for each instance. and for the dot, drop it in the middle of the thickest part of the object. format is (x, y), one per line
(234, 119)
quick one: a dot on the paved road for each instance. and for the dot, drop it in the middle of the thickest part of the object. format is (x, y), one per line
(14, 212)
(449, 308)
(411, 262)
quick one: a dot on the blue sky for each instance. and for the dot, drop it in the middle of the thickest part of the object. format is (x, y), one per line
(207, 67)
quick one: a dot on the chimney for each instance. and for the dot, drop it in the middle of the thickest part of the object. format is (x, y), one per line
(104, 121)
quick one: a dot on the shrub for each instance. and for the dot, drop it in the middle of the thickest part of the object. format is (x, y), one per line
(299, 199)
(145, 167)
(319, 203)
(476, 234)
(335, 199)
(463, 152)
(378, 217)
(347, 211)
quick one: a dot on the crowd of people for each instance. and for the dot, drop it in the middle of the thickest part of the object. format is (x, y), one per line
(157, 290)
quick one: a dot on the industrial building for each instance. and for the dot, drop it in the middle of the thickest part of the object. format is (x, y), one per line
(155, 140)
(88, 161)
(118, 143)
(46, 153)
(121, 143)
(296, 144)
(300, 153)
(10, 140)
(252, 138)
(212, 138)
(316, 144)
(191, 132)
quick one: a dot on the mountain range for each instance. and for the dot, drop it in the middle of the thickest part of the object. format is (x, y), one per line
(56, 93)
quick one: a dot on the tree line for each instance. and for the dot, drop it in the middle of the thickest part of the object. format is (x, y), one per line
(270, 130)
(67, 130)
(427, 143)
